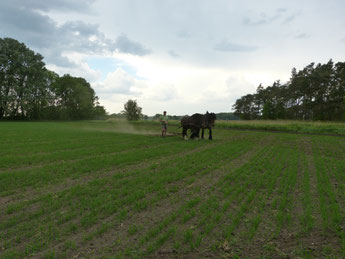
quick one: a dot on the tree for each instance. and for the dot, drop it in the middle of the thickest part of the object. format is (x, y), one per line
(245, 108)
(226, 116)
(22, 80)
(316, 92)
(99, 112)
(268, 111)
(259, 100)
(30, 91)
(132, 110)
(74, 97)
(337, 93)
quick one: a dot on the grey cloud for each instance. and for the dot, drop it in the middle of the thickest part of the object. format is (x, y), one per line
(264, 19)
(301, 36)
(233, 47)
(42, 34)
(85, 37)
(173, 54)
(24, 22)
(183, 34)
(281, 10)
(14, 18)
(55, 57)
(279, 14)
(289, 19)
(125, 45)
(248, 21)
(80, 27)
(48, 5)
(343, 40)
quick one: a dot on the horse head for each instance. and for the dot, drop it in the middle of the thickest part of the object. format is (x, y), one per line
(210, 118)
(185, 120)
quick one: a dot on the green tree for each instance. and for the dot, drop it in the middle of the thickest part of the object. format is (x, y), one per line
(337, 93)
(226, 116)
(29, 91)
(132, 110)
(316, 92)
(259, 100)
(321, 84)
(268, 111)
(23, 77)
(245, 107)
(74, 97)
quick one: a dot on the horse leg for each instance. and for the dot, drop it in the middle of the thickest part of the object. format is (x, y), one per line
(184, 133)
(197, 133)
(202, 133)
(192, 135)
(210, 133)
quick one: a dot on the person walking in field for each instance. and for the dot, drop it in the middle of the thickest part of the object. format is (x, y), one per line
(164, 121)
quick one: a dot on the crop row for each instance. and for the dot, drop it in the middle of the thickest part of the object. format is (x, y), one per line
(243, 194)
(102, 197)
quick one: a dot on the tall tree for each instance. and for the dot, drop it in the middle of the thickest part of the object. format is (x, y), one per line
(244, 107)
(259, 100)
(322, 82)
(316, 92)
(268, 112)
(74, 97)
(337, 93)
(132, 110)
(29, 91)
(22, 75)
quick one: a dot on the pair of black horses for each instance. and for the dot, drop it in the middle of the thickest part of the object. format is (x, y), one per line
(198, 122)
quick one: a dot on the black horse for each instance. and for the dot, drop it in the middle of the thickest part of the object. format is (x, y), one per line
(196, 122)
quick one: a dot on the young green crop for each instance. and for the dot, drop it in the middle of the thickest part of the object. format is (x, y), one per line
(89, 189)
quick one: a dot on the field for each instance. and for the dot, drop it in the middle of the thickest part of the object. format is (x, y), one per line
(111, 189)
(306, 127)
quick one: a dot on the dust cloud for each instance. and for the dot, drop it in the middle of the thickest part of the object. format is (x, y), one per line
(123, 126)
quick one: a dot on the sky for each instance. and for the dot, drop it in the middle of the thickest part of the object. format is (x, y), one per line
(182, 56)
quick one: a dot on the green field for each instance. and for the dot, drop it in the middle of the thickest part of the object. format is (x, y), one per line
(113, 189)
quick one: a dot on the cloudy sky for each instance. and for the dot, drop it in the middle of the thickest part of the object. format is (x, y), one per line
(183, 56)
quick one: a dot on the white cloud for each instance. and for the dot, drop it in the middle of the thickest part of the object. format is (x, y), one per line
(79, 67)
(182, 56)
(162, 92)
(235, 47)
(120, 82)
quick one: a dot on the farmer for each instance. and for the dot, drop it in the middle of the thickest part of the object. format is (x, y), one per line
(164, 120)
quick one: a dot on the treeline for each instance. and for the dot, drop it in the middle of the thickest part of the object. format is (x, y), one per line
(315, 93)
(29, 91)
